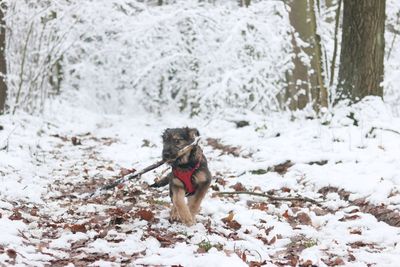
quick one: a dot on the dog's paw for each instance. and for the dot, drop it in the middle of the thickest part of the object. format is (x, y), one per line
(174, 216)
(194, 211)
(189, 221)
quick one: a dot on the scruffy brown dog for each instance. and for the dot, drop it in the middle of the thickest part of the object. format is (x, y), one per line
(189, 177)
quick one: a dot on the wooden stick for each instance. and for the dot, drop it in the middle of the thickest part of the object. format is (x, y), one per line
(298, 198)
(153, 166)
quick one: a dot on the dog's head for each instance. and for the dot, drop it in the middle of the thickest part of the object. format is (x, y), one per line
(175, 139)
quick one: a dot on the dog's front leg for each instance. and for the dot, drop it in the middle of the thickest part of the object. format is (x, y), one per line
(178, 199)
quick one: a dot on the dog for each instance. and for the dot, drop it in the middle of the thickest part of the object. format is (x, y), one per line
(190, 176)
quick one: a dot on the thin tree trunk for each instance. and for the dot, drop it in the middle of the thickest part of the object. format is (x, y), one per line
(3, 66)
(245, 3)
(362, 52)
(335, 45)
(318, 90)
(306, 81)
(298, 86)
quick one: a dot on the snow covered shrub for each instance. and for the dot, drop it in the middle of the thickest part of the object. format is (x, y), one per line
(187, 56)
(392, 56)
(35, 45)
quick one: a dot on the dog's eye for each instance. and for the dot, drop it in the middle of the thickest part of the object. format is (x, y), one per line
(179, 141)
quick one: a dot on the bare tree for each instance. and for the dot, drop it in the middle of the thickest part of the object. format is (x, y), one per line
(3, 66)
(362, 51)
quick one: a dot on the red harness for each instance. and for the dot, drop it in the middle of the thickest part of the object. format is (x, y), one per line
(186, 177)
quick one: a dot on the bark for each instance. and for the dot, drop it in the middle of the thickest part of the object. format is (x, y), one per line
(362, 51)
(318, 90)
(244, 3)
(306, 81)
(298, 89)
(335, 45)
(3, 66)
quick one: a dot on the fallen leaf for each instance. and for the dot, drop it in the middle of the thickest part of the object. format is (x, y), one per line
(109, 168)
(337, 261)
(359, 244)
(282, 168)
(286, 189)
(334, 262)
(123, 172)
(234, 225)
(349, 218)
(356, 232)
(226, 149)
(351, 257)
(303, 218)
(307, 263)
(76, 141)
(116, 212)
(243, 256)
(238, 187)
(272, 241)
(77, 228)
(11, 253)
(34, 211)
(263, 206)
(320, 212)
(286, 214)
(268, 230)
(229, 217)
(230, 222)
(257, 263)
(214, 187)
(221, 181)
(16, 216)
(146, 215)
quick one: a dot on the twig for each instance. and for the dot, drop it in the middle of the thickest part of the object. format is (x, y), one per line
(394, 36)
(153, 166)
(335, 46)
(5, 147)
(297, 198)
(384, 129)
(21, 78)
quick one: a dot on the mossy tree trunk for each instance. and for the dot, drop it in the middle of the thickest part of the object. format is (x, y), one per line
(362, 51)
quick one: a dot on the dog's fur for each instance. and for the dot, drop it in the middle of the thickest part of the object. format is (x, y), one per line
(173, 141)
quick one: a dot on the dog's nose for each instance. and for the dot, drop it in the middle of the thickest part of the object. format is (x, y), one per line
(166, 155)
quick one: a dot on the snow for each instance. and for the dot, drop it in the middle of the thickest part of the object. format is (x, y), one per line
(364, 166)
(112, 104)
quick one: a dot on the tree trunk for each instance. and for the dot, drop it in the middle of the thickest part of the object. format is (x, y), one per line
(298, 89)
(3, 66)
(306, 81)
(362, 52)
(319, 91)
(244, 3)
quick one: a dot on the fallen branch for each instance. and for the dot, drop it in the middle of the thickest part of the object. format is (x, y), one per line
(298, 198)
(153, 166)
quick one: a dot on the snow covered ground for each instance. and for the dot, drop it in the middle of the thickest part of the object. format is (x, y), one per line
(348, 162)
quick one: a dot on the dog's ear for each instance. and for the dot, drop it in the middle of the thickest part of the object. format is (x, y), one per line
(193, 133)
(165, 133)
